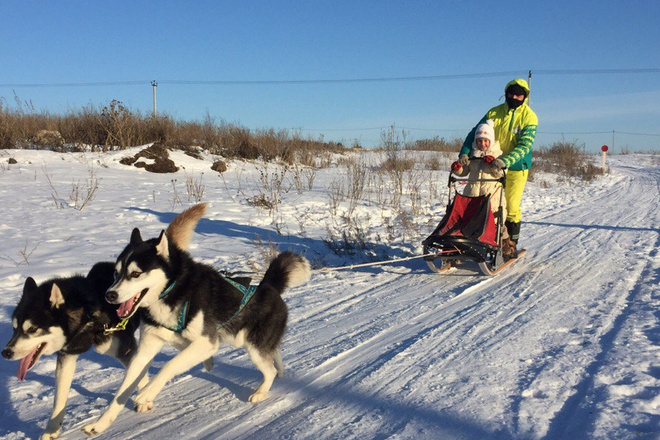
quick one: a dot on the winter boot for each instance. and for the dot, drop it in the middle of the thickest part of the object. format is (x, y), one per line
(506, 249)
(514, 231)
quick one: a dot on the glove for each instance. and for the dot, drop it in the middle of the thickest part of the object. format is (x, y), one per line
(495, 167)
(499, 164)
(456, 167)
(489, 158)
(464, 160)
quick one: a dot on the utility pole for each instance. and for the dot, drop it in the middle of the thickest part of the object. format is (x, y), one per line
(529, 84)
(154, 84)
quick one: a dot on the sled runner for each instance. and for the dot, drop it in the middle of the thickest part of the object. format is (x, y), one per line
(468, 231)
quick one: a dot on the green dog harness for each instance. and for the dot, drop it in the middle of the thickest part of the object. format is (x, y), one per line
(248, 293)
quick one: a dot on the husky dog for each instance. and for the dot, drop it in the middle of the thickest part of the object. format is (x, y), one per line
(68, 316)
(193, 307)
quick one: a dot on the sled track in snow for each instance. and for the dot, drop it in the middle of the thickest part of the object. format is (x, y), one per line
(456, 355)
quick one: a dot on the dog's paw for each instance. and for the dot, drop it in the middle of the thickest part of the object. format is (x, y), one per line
(208, 364)
(53, 428)
(95, 428)
(257, 397)
(143, 407)
(144, 401)
(50, 435)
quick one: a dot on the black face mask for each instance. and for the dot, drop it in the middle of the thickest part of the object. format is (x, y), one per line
(513, 103)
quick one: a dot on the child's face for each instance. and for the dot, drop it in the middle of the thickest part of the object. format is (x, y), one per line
(483, 144)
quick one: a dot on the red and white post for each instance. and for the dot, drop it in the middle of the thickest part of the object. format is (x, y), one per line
(604, 149)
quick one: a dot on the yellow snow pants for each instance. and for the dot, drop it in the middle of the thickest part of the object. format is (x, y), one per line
(515, 184)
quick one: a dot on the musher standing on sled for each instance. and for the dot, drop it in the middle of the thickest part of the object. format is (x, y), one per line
(515, 129)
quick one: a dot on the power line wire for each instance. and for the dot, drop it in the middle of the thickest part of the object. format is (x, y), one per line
(77, 84)
(636, 134)
(593, 71)
(467, 129)
(345, 80)
(339, 81)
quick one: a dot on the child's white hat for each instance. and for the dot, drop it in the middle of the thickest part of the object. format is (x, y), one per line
(486, 131)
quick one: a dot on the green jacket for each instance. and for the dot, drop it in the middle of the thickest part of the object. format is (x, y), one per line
(514, 129)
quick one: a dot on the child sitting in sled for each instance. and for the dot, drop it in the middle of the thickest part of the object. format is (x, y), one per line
(487, 149)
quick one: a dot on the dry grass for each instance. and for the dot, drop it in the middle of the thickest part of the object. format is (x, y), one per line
(436, 144)
(115, 126)
(567, 159)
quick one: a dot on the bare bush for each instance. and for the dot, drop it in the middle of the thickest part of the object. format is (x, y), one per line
(195, 188)
(114, 125)
(271, 187)
(357, 178)
(81, 195)
(267, 251)
(48, 138)
(176, 199)
(119, 124)
(567, 159)
(25, 254)
(436, 144)
(335, 195)
(261, 201)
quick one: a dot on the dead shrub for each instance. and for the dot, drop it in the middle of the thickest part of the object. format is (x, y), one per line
(397, 164)
(48, 138)
(436, 144)
(114, 125)
(434, 164)
(567, 159)
(261, 201)
(219, 166)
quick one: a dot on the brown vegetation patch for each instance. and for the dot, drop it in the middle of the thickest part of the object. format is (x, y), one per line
(567, 159)
(160, 156)
(219, 166)
(48, 138)
(397, 164)
(437, 144)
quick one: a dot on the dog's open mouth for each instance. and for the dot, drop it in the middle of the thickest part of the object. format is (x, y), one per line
(28, 361)
(128, 308)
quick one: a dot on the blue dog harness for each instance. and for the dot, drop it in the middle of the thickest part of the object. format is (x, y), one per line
(247, 292)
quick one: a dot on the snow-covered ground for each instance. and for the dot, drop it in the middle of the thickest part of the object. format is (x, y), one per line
(562, 345)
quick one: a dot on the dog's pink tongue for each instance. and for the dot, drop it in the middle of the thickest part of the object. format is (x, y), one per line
(125, 307)
(24, 364)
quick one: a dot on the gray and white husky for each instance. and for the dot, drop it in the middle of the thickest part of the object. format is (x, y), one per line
(69, 316)
(192, 307)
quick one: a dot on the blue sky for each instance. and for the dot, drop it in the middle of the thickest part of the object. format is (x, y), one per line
(63, 42)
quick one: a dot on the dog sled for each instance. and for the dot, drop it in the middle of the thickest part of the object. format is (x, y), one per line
(469, 231)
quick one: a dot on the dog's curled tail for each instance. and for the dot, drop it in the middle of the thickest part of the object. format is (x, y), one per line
(287, 270)
(181, 229)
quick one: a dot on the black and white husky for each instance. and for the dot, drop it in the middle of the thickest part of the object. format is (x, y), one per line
(69, 316)
(193, 307)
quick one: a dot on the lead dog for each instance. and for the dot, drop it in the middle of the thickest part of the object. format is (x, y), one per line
(193, 307)
(69, 316)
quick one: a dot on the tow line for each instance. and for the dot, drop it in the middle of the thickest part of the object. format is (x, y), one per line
(376, 263)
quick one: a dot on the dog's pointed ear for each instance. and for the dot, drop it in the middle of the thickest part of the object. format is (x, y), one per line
(136, 238)
(163, 248)
(56, 297)
(29, 285)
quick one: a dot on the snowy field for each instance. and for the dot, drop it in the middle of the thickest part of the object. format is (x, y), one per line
(562, 345)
